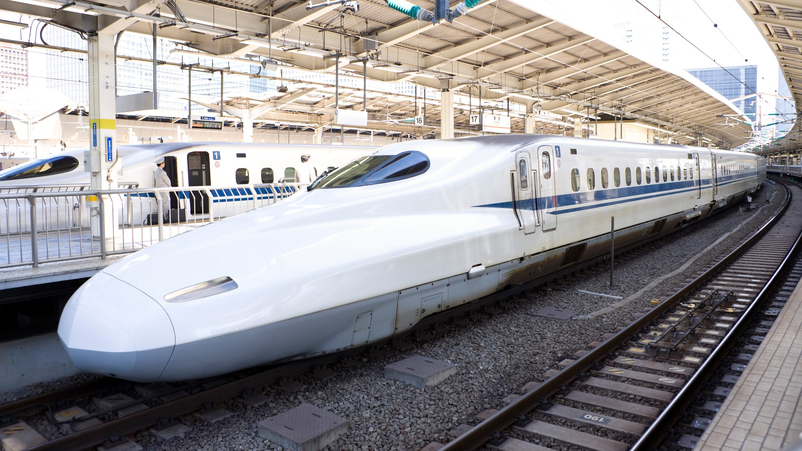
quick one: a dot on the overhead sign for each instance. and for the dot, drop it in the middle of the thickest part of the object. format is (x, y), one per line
(351, 117)
(495, 124)
(207, 124)
(419, 121)
(475, 119)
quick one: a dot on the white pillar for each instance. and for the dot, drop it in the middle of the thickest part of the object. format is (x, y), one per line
(578, 127)
(247, 129)
(529, 123)
(102, 123)
(318, 139)
(446, 114)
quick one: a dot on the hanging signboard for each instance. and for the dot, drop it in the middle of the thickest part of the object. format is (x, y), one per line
(495, 124)
(207, 122)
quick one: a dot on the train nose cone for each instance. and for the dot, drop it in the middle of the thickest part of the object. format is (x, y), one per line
(109, 327)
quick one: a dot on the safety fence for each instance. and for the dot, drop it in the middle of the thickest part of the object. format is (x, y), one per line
(60, 223)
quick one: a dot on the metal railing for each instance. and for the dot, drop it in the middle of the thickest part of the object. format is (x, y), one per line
(52, 224)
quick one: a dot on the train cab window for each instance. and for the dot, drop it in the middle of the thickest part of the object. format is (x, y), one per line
(575, 179)
(242, 176)
(648, 172)
(617, 177)
(628, 176)
(522, 170)
(375, 169)
(672, 174)
(41, 167)
(591, 179)
(267, 175)
(638, 176)
(604, 179)
(545, 163)
(289, 175)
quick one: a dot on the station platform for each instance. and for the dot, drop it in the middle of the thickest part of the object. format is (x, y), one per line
(764, 409)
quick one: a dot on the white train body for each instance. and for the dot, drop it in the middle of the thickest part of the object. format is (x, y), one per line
(343, 266)
(188, 165)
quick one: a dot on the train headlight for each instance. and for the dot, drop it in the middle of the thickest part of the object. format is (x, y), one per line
(202, 290)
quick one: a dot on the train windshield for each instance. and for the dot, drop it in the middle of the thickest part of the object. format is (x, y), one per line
(376, 169)
(41, 167)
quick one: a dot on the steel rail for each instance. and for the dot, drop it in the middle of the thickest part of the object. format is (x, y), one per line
(654, 435)
(506, 416)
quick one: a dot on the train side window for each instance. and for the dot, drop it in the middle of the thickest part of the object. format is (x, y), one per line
(637, 176)
(267, 175)
(545, 162)
(628, 176)
(691, 174)
(657, 174)
(523, 173)
(665, 175)
(648, 175)
(591, 179)
(575, 179)
(672, 174)
(679, 173)
(617, 177)
(604, 179)
(242, 176)
(685, 173)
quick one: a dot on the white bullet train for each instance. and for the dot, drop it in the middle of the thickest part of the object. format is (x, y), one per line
(187, 164)
(364, 254)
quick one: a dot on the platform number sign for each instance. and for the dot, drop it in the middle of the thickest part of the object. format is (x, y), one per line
(419, 121)
(475, 119)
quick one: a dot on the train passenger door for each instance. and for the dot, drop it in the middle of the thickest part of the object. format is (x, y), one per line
(525, 202)
(547, 197)
(714, 172)
(697, 175)
(198, 175)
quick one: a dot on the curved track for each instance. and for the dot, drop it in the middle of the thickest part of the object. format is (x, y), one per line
(627, 392)
(154, 405)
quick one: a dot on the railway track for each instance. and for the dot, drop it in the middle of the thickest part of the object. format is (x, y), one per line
(643, 384)
(90, 414)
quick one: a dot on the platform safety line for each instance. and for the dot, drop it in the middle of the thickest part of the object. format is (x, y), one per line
(654, 283)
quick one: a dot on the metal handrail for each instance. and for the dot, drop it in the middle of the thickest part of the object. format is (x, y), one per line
(72, 221)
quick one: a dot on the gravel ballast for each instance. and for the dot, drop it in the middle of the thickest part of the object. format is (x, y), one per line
(495, 356)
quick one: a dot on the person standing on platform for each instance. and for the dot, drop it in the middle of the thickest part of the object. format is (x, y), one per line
(162, 180)
(304, 172)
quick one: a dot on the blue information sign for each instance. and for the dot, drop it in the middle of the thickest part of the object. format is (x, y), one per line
(94, 134)
(216, 154)
(557, 149)
(108, 149)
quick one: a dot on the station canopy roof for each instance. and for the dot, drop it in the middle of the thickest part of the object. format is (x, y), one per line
(497, 50)
(780, 21)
